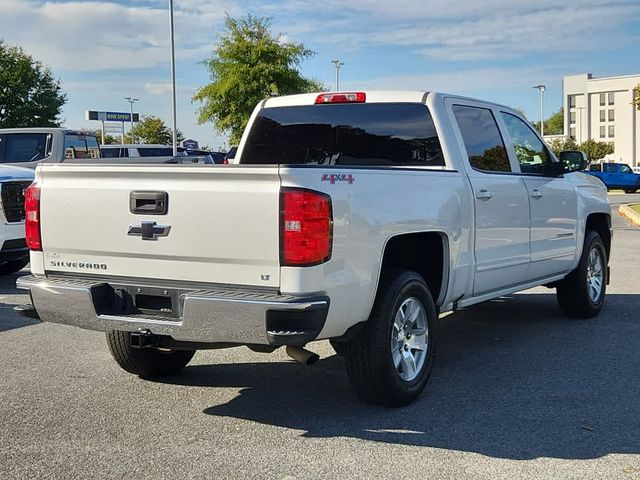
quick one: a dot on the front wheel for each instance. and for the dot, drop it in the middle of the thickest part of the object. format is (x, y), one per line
(390, 361)
(631, 190)
(146, 362)
(582, 293)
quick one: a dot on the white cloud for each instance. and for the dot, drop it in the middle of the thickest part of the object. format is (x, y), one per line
(165, 89)
(480, 79)
(465, 29)
(102, 35)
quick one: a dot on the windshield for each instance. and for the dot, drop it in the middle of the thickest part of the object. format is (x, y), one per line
(376, 134)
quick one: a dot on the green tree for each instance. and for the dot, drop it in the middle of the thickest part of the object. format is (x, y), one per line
(636, 96)
(29, 94)
(108, 139)
(249, 64)
(152, 129)
(559, 145)
(554, 125)
(596, 150)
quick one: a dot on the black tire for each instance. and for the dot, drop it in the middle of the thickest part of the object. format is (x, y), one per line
(7, 268)
(368, 356)
(146, 362)
(340, 347)
(631, 190)
(573, 292)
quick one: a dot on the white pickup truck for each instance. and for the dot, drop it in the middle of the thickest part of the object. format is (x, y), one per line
(355, 217)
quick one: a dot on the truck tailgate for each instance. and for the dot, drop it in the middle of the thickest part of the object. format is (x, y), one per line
(224, 222)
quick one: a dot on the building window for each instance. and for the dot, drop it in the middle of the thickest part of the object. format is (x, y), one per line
(611, 98)
(603, 131)
(572, 101)
(612, 131)
(612, 115)
(572, 132)
(572, 117)
(603, 115)
(602, 99)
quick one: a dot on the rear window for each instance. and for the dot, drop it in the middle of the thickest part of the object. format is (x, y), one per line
(375, 134)
(81, 146)
(24, 147)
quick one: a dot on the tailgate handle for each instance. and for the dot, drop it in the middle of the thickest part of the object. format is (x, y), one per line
(149, 203)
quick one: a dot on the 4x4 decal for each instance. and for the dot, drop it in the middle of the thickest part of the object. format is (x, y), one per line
(332, 178)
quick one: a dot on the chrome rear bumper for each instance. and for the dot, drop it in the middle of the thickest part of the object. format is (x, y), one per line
(207, 316)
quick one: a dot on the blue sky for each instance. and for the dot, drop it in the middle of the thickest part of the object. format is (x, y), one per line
(491, 49)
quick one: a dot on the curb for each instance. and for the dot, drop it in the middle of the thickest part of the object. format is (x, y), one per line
(630, 213)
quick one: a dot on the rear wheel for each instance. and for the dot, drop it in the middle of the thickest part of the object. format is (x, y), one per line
(146, 362)
(631, 190)
(582, 293)
(14, 266)
(390, 361)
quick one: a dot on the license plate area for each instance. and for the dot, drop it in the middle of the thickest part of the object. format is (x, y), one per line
(138, 301)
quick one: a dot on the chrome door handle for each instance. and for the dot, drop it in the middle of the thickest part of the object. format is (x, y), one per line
(484, 195)
(536, 194)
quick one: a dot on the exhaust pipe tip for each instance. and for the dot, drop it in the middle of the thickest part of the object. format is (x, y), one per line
(302, 355)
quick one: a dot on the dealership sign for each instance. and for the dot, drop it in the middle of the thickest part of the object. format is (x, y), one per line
(111, 116)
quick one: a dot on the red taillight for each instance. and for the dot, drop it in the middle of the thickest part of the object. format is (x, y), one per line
(306, 223)
(351, 97)
(32, 217)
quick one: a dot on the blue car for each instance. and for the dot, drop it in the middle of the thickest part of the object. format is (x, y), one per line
(617, 176)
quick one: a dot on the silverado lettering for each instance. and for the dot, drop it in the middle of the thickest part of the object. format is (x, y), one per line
(86, 266)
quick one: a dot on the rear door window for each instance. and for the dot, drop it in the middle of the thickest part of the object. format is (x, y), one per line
(24, 147)
(482, 139)
(375, 134)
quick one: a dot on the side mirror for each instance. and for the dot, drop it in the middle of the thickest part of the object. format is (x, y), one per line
(573, 160)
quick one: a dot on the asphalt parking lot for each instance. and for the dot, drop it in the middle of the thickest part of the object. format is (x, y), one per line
(518, 391)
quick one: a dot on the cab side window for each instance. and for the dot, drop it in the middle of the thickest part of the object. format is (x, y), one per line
(482, 139)
(531, 152)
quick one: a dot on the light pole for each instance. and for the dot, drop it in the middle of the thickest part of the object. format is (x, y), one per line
(173, 80)
(337, 64)
(131, 101)
(541, 88)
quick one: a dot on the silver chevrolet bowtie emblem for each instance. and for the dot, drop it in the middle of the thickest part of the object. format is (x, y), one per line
(149, 230)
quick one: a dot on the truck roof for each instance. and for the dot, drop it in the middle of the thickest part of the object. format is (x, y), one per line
(372, 96)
